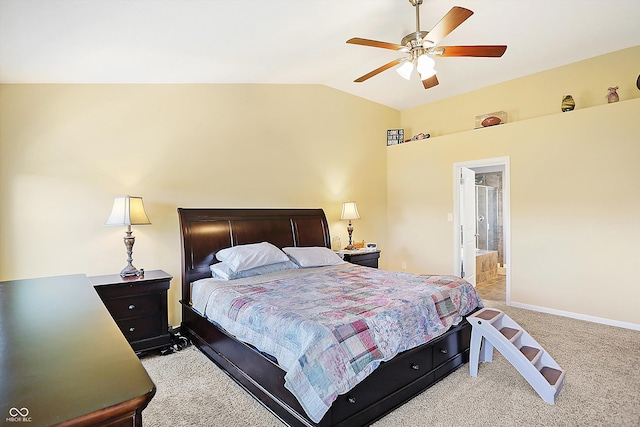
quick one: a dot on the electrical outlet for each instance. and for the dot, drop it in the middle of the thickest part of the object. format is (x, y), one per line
(404, 265)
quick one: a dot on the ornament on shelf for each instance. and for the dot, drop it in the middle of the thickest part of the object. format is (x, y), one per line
(490, 119)
(418, 137)
(568, 104)
(612, 96)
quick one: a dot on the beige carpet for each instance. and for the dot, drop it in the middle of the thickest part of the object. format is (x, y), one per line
(602, 386)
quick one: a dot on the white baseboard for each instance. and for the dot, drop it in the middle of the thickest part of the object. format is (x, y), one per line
(586, 317)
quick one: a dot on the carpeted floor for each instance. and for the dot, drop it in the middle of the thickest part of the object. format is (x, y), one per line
(602, 386)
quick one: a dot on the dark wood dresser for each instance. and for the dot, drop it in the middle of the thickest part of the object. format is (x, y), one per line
(139, 306)
(63, 360)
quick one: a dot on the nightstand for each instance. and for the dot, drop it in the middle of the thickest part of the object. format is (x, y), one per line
(361, 257)
(139, 306)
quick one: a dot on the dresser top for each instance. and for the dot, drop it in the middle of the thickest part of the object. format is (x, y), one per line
(62, 354)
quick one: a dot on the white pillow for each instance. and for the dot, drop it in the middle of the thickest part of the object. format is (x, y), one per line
(315, 256)
(244, 257)
(221, 270)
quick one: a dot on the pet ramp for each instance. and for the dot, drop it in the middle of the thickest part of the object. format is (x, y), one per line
(492, 328)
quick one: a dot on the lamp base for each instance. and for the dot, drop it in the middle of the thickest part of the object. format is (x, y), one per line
(350, 246)
(130, 271)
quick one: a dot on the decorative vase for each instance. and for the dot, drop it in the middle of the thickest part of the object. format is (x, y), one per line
(335, 244)
(568, 104)
(612, 96)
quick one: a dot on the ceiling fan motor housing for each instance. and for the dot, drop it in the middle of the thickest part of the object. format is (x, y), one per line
(416, 40)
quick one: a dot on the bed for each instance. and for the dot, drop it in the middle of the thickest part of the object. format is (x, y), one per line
(204, 232)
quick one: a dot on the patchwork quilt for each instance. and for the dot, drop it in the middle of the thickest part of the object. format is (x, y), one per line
(330, 327)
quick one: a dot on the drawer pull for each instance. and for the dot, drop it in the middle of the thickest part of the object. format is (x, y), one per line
(131, 307)
(443, 350)
(351, 400)
(131, 329)
(415, 366)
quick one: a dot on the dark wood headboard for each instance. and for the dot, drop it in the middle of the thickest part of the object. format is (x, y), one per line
(203, 232)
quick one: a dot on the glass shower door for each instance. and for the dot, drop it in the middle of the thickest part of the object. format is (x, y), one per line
(486, 217)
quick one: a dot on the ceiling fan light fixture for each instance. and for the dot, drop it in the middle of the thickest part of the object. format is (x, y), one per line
(425, 76)
(430, 73)
(405, 70)
(426, 66)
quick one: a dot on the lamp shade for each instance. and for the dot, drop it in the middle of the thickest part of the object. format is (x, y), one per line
(349, 211)
(128, 210)
(426, 66)
(405, 69)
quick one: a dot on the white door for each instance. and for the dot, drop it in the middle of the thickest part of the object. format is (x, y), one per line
(468, 224)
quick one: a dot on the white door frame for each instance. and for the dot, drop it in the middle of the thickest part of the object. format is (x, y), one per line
(468, 224)
(506, 206)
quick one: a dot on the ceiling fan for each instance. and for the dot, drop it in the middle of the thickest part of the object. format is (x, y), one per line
(421, 46)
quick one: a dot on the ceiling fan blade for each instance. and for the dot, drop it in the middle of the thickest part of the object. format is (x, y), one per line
(375, 43)
(430, 82)
(456, 16)
(490, 51)
(380, 69)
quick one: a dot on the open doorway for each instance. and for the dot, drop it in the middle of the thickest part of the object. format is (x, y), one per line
(481, 226)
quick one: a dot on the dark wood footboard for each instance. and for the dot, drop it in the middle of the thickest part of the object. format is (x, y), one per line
(392, 384)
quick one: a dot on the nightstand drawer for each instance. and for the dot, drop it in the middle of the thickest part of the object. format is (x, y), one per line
(120, 290)
(364, 258)
(141, 328)
(123, 308)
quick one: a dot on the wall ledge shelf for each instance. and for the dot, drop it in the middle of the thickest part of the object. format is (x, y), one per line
(510, 122)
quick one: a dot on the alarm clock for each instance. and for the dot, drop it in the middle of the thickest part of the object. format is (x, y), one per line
(371, 247)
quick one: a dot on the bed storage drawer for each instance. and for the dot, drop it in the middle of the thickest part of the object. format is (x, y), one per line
(454, 363)
(402, 370)
(450, 345)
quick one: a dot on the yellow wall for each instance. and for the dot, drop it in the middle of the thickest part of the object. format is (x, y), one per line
(67, 150)
(574, 194)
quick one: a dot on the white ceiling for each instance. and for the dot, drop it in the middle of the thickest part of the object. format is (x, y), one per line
(298, 42)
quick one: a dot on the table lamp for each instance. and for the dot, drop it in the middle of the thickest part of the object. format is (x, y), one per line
(349, 211)
(128, 210)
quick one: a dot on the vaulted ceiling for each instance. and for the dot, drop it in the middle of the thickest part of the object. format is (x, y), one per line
(298, 42)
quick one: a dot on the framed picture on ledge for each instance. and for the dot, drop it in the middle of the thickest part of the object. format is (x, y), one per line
(395, 136)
